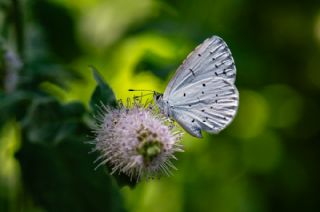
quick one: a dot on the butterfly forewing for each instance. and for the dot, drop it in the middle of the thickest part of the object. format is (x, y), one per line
(212, 58)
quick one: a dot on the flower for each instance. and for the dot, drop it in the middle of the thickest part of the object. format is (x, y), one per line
(136, 140)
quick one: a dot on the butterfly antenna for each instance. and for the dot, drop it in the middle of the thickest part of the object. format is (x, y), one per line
(141, 90)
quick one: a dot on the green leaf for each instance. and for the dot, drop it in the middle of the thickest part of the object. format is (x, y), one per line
(45, 69)
(102, 94)
(47, 121)
(62, 177)
(57, 169)
(14, 105)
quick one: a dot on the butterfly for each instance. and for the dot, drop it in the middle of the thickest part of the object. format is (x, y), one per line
(202, 94)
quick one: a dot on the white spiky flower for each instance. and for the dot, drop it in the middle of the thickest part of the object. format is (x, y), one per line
(136, 140)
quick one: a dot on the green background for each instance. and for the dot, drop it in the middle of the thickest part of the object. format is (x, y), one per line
(266, 160)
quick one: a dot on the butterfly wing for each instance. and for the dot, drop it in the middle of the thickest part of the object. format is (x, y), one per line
(202, 94)
(208, 104)
(212, 58)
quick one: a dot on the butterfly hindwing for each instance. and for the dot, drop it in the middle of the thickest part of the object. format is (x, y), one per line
(208, 104)
(185, 121)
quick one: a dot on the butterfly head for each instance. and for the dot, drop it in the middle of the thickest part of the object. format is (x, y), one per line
(158, 99)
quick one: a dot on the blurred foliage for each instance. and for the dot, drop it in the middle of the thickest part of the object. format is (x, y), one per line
(265, 161)
(102, 95)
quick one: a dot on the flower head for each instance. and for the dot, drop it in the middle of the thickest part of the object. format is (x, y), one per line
(136, 140)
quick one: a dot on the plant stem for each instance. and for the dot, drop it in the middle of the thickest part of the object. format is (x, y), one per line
(18, 25)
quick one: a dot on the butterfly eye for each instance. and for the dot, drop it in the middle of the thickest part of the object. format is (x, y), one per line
(157, 97)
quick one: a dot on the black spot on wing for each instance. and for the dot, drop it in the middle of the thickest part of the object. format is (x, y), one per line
(190, 69)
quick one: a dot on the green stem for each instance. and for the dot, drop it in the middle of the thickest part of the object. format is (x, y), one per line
(18, 25)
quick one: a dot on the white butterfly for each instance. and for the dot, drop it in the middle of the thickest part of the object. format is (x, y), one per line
(202, 94)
